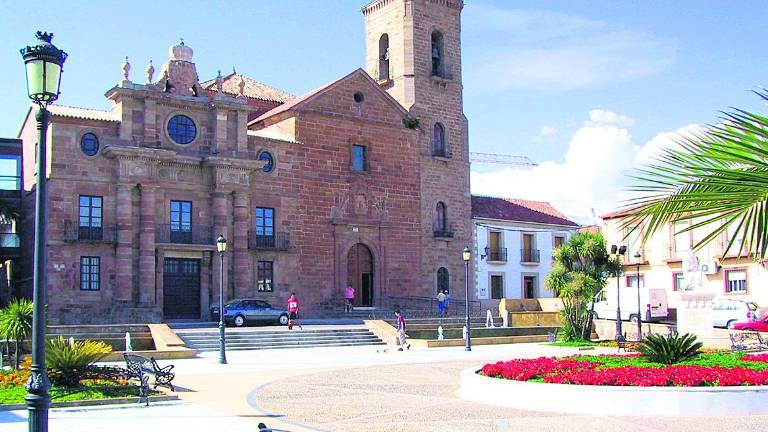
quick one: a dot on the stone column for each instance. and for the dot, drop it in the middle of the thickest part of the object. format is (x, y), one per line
(220, 224)
(147, 216)
(242, 132)
(150, 124)
(124, 249)
(240, 265)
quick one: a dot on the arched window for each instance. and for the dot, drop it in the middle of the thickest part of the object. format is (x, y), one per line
(443, 281)
(438, 140)
(441, 217)
(437, 53)
(383, 57)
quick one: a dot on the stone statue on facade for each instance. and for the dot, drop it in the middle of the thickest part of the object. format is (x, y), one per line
(219, 83)
(126, 69)
(241, 87)
(150, 72)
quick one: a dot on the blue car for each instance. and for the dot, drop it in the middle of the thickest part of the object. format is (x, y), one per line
(244, 311)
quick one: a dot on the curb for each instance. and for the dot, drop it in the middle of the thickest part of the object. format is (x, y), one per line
(95, 402)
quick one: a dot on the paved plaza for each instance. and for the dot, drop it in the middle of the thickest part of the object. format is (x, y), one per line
(348, 389)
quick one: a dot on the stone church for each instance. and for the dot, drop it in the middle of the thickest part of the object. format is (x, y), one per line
(363, 181)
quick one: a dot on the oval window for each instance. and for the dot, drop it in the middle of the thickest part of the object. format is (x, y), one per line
(182, 129)
(269, 161)
(89, 144)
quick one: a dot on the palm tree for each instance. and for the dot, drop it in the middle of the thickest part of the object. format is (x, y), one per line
(718, 174)
(16, 324)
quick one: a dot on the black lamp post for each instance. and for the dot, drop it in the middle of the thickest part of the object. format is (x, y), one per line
(637, 281)
(618, 252)
(43, 63)
(466, 255)
(221, 246)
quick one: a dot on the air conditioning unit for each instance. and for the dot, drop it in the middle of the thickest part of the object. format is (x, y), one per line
(712, 267)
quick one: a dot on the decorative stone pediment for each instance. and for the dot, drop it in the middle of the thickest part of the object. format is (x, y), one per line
(359, 208)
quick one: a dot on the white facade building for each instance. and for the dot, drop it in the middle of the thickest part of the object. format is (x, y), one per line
(514, 243)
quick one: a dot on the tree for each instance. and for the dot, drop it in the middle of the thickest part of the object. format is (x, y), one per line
(717, 175)
(16, 324)
(579, 272)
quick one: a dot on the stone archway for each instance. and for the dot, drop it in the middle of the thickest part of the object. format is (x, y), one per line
(360, 274)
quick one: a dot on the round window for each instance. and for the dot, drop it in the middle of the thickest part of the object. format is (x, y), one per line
(359, 97)
(89, 144)
(269, 161)
(182, 129)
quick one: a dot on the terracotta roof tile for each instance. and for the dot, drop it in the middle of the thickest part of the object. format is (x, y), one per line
(295, 101)
(518, 210)
(622, 212)
(83, 113)
(253, 89)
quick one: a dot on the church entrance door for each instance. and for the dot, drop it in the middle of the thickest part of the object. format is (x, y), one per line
(360, 274)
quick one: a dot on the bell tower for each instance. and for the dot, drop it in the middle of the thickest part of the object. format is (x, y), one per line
(413, 50)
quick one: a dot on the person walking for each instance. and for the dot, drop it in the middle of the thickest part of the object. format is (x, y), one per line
(447, 301)
(349, 297)
(440, 303)
(401, 331)
(293, 312)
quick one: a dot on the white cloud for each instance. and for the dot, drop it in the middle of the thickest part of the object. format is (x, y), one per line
(647, 153)
(547, 131)
(592, 174)
(548, 50)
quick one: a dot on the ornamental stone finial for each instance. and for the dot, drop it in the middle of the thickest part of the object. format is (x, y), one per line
(241, 87)
(150, 72)
(126, 69)
(219, 83)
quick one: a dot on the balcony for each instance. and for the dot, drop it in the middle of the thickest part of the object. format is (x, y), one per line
(278, 241)
(442, 72)
(496, 255)
(73, 233)
(383, 72)
(10, 245)
(195, 234)
(441, 153)
(530, 256)
(444, 232)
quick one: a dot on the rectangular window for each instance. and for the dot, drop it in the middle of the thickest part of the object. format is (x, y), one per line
(359, 160)
(732, 232)
(265, 221)
(181, 216)
(677, 281)
(90, 218)
(736, 281)
(265, 276)
(497, 287)
(529, 287)
(682, 240)
(90, 272)
(559, 241)
(632, 281)
(633, 242)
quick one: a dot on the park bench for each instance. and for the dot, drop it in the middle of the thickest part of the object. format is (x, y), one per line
(141, 368)
(747, 341)
(623, 344)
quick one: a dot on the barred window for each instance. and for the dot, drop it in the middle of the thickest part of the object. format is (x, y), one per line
(90, 273)
(265, 276)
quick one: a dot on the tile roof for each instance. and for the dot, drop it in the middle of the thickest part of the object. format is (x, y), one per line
(622, 212)
(83, 113)
(288, 105)
(253, 89)
(518, 210)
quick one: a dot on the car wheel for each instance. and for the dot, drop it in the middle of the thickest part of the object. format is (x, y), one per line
(729, 324)
(283, 320)
(238, 320)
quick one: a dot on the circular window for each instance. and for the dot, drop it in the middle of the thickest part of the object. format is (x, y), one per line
(182, 129)
(89, 144)
(359, 97)
(269, 161)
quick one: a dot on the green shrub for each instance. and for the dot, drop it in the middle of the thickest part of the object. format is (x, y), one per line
(669, 349)
(16, 324)
(69, 362)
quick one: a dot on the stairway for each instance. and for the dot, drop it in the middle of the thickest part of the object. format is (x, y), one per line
(256, 339)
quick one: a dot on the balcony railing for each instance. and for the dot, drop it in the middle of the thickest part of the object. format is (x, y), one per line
(195, 234)
(73, 233)
(443, 232)
(499, 255)
(441, 152)
(529, 256)
(276, 241)
(10, 245)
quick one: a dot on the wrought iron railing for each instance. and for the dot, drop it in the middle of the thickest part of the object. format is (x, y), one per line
(499, 255)
(73, 233)
(444, 231)
(529, 256)
(277, 241)
(420, 306)
(194, 234)
(441, 152)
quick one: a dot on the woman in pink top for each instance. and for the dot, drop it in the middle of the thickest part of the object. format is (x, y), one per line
(349, 296)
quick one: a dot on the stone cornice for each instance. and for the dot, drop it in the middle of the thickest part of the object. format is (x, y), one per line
(232, 163)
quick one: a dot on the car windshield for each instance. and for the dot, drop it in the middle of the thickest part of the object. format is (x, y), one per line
(231, 303)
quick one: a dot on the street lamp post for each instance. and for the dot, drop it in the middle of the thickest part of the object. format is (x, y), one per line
(618, 251)
(466, 255)
(221, 246)
(637, 282)
(43, 63)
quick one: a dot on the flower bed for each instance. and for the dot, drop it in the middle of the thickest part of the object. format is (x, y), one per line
(714, 369)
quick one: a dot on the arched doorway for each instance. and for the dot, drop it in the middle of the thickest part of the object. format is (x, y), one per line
(360, 274)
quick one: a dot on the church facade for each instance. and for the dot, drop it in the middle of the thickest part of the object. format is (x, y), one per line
(363, 181)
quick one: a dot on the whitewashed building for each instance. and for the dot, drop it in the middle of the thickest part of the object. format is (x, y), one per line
(514, 240)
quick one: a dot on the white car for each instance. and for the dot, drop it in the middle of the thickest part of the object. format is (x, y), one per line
(727, 312)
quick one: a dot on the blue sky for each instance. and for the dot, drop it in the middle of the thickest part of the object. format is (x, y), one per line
(581, 87)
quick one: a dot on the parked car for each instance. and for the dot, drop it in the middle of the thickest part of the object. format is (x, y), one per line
(761, 325)
(727, 312)
(240, 312)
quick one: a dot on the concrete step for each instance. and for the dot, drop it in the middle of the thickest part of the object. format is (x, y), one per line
(215, 344)
(197, 341)
(264, 347)
(208, 340)
(265, 334)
